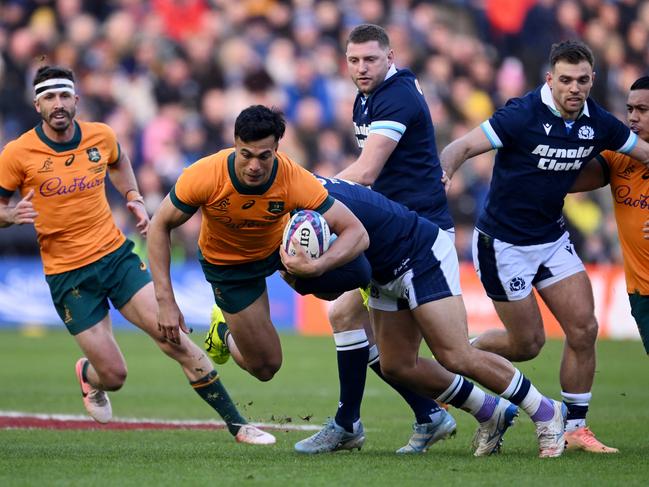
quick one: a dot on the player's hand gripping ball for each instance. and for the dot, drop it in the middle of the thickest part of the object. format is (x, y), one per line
(311, 231)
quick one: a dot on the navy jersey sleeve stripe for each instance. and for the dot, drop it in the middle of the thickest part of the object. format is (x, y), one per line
(5, 193)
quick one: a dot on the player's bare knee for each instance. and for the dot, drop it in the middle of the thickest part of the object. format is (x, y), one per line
(582, 335)
(395, 371)
(264, 373)
(456, 361)
(341, 320)
(114, 379)
(526, 348)
(523, 352)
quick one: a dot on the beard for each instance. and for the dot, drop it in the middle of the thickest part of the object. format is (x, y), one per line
(59, 125)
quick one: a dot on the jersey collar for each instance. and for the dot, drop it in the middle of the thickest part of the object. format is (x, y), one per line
(546, 98)
(391, 72)
(73, 143)
(244, 189)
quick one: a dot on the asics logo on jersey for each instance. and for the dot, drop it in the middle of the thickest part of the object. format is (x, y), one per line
(55, 186)
(552, 156)
(248, 204)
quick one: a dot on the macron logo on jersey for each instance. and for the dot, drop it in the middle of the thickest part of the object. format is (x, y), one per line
(552, 155)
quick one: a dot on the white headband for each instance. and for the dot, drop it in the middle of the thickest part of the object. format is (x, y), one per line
(53, 85)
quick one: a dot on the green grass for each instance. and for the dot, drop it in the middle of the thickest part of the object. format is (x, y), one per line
(37, 375)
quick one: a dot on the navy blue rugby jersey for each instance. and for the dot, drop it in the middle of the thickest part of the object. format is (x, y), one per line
(539, 157)
(412, 174)
(399, 238)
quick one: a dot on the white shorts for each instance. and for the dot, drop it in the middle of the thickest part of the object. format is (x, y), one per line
(440, 278)
(509, 271)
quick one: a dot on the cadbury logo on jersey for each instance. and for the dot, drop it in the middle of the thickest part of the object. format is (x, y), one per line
(553, 158)
(55, 186)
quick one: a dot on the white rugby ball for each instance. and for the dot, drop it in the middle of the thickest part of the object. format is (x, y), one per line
(312, 233)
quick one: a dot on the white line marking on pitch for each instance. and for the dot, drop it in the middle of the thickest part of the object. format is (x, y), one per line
(186, 422)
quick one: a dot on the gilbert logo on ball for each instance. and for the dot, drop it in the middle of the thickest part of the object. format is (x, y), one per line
(312, 233)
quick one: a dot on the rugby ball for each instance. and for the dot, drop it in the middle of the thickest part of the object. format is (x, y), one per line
(312, 233)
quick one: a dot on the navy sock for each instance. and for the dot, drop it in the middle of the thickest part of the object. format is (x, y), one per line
(352, 349)
(576, 412)
(214, 393)
(423, 407)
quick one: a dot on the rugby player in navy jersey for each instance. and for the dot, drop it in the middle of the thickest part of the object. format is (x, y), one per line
(543, 141)
(399, 159)
(414, 293)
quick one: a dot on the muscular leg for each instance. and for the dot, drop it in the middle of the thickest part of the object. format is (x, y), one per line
(253, 340)
(347, 316)
(399, 338)
(443, 325)
(523, 336)
(571, 302)
(107, 368)
(141, 310)
(348, 313)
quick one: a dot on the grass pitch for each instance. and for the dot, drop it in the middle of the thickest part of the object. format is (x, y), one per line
(37, 375)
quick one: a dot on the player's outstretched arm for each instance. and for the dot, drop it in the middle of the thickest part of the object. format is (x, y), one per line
(170, 319)
(20, 214)
(590, 177)
(366, 168)
(351, 242)
(469, 145)
(641, 151)
(122, 176)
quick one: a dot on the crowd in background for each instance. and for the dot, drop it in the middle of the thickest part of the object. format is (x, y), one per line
(170, 76)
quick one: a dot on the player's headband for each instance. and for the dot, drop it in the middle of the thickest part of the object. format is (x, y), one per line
(53, 85)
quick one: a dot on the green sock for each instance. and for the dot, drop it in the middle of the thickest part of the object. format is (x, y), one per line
(84, 371)
(214, 393)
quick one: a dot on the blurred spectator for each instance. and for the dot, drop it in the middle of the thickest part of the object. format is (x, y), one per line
(169, 76)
